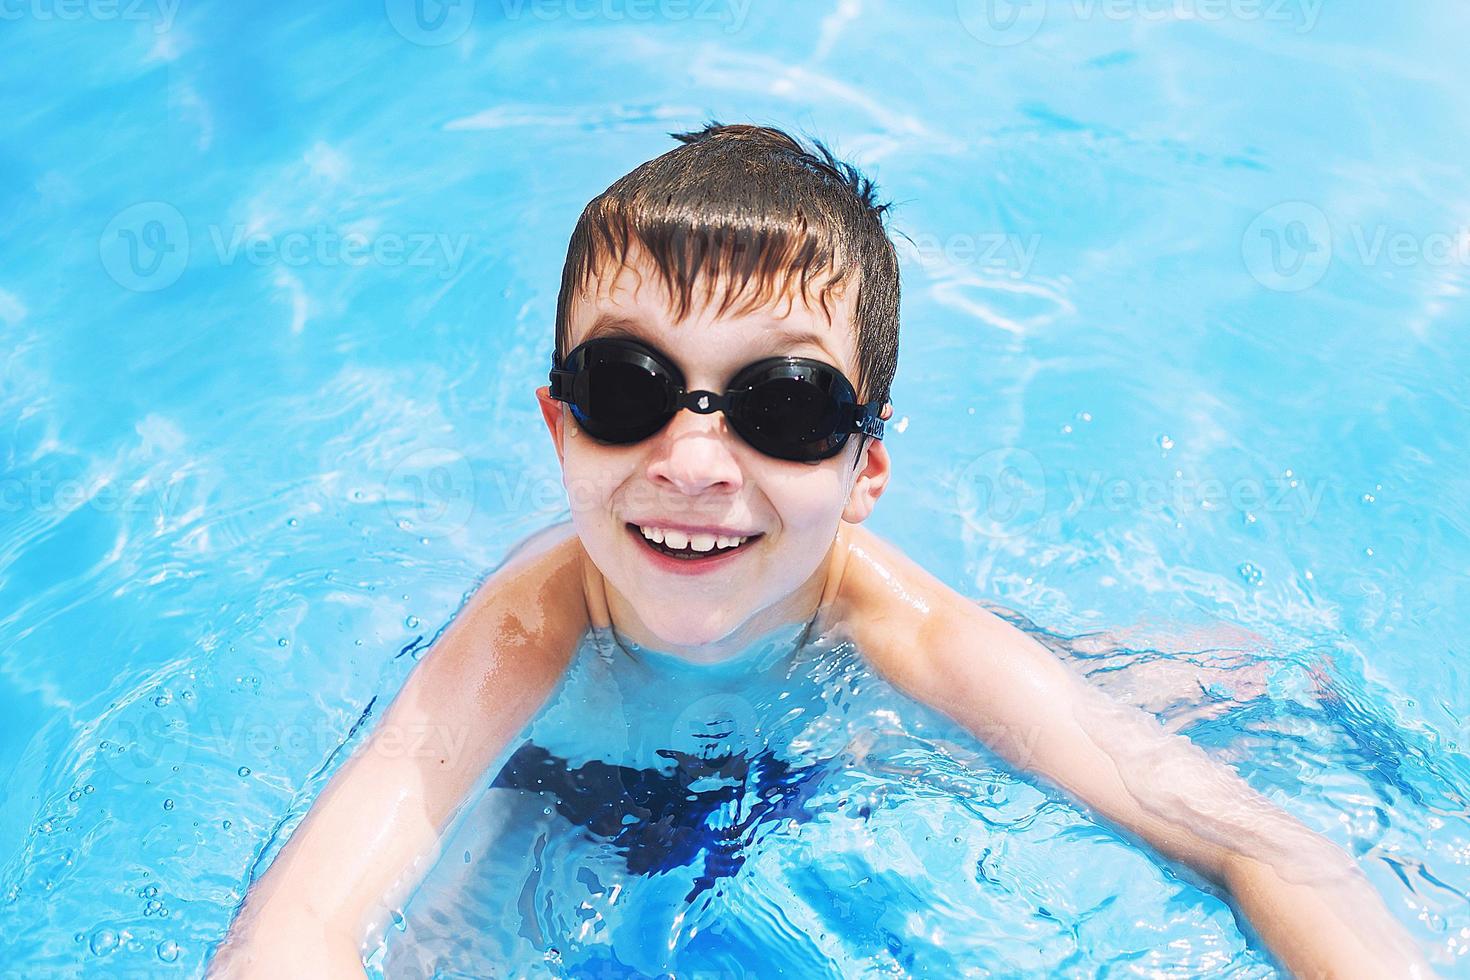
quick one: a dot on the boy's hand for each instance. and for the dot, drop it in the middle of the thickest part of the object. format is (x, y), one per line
(376, 828)
(1306, 898)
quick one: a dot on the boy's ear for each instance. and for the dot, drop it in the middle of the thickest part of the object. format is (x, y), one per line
(873, 470)
(555, 420)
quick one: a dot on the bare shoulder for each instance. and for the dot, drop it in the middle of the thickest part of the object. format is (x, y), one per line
(903, 618)
(533, 605)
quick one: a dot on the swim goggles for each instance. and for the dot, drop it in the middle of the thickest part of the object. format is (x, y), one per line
(622, 391)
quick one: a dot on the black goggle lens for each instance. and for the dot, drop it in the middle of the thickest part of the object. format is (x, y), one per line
(791, 417)
(620, 400)
(791, 408)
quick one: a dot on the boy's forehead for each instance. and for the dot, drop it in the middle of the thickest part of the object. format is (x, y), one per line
(633, 300)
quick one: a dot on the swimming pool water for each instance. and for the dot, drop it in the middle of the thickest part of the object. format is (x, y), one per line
(1184, 356)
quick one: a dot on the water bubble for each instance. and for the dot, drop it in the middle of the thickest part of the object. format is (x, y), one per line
(74, 795)
(1250, 574)
(89, 789)
(153, 906)
(1368, 498)
(168, 804)
(243, 771)
(412, 622)
(293, 522)
(227, 825)
(150, 891)
(168, 950)
(103, 942)
(283, 642)
(162, 700)
(1165, 443)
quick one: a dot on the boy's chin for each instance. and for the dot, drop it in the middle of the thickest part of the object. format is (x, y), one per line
(687, 632)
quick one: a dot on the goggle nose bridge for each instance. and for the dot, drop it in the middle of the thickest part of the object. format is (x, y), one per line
(702, 402)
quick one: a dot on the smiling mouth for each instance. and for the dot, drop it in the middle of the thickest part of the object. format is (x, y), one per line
(689, 552)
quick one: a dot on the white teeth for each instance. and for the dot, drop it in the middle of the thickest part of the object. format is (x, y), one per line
(680, 540)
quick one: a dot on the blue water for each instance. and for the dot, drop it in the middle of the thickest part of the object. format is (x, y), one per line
(1184, 356)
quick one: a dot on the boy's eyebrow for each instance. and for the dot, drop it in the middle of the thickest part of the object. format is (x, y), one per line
(617, 324)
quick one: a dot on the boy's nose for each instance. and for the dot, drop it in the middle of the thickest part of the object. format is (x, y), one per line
(693, 454)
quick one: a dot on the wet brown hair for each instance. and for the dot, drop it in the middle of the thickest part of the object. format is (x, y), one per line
(751, 209)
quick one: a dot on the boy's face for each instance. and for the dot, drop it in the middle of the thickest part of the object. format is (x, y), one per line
(697, 473)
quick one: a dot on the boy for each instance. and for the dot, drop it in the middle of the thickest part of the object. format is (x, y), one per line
(750, 281)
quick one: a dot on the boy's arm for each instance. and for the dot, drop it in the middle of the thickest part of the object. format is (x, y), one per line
(1305, 897)
(375, 829)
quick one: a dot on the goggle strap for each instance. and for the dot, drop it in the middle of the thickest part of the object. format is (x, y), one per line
(561, 383)
(865, 420)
